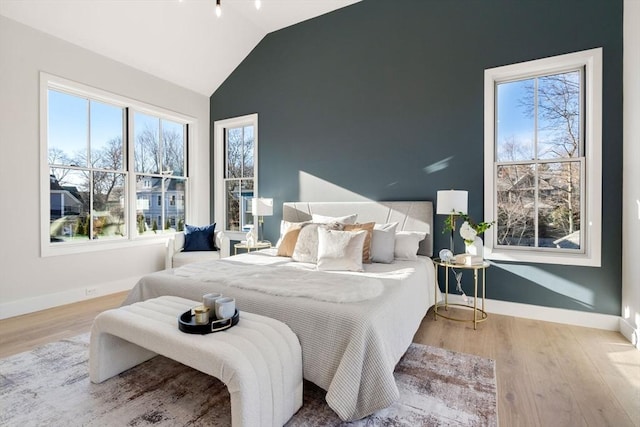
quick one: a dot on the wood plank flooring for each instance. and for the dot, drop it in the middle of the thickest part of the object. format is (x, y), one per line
(22, 333)
(548, 374)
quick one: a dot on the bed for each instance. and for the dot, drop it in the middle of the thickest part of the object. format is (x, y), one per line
(353, 326)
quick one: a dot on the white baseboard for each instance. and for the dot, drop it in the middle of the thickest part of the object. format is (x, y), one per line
(42, 302)
(548, 314)
(630, 333)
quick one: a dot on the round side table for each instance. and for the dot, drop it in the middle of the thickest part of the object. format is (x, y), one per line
(479, 314)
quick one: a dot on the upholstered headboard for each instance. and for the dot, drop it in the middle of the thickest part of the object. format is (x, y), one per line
(411, 216)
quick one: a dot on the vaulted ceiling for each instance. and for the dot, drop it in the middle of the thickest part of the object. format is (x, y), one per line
(181, 41)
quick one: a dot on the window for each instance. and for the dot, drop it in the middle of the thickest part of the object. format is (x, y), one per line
(236, 160)
(542, 160)
(159, 153)
(105, 159)
(87, 175)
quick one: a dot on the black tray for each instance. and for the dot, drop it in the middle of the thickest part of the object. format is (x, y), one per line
(187, 323)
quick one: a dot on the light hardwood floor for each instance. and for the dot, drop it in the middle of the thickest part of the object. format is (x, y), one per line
(548, 374)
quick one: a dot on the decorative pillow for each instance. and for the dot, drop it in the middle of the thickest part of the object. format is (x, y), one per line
(321, 219)
(286, 226)
(383, 242)
(199, 238)
(340, 250)
(366, 249)
(406, 245)
(306, 249)
(288, 241)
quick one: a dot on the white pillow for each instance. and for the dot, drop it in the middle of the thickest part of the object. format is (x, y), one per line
(407, 244)
(321, 219)
(306, 249)
(340, 250)
(383, 242)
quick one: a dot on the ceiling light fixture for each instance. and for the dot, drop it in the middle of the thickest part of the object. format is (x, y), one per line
(258, 4)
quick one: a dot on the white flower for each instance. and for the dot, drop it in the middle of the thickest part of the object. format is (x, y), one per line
(467, 232)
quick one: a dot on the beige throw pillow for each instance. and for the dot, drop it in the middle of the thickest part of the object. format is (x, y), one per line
(286, 226)
(289, 240)
(366, 248)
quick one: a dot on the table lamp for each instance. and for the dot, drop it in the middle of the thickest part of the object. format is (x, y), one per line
(452, 203)
(261, 207)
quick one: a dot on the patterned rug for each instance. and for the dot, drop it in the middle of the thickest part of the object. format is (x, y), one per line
(50, 386)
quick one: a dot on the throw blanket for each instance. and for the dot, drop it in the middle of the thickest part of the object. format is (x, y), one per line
(290, 282)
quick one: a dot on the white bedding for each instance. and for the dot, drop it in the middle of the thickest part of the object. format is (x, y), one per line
(349, 349)
(289, 282)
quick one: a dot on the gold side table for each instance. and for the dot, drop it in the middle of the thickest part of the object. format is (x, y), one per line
(249, 248)
(479, 314)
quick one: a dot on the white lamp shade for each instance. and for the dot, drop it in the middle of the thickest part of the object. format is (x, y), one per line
(452, 202)
(261, 206)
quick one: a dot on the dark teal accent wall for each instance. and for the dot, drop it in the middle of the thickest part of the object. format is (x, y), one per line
(369, 96)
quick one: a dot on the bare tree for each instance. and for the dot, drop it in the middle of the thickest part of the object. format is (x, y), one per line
(554, 102)
(109, 158)
(57, 156)
(173, 152)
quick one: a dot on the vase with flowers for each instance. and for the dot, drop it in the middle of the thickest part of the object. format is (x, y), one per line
(470, 232)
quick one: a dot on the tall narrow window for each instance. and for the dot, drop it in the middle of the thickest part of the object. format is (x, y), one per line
(542, 162)
(160, 147)
(239, 176)
(235, 151)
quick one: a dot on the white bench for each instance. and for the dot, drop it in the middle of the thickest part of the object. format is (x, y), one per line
(259, 359)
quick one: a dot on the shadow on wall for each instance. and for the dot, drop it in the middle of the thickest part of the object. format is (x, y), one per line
(522, 283)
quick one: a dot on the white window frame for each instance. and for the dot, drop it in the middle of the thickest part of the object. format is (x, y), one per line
(49, 81)
(220, 206)
(591, 219)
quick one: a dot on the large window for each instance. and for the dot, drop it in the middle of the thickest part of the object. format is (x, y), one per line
(542, 159)
(236, 160)
(115, 168)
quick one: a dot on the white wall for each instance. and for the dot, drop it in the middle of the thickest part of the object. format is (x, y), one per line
(29, 282)
(630, 323)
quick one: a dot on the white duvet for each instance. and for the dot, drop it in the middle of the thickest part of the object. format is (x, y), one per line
(349, 348)
(290, 282)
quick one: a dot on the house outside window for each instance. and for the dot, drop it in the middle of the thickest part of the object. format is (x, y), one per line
(236, 160)
(87, 172)
(542, 160)
(159, 158)
(106, 159)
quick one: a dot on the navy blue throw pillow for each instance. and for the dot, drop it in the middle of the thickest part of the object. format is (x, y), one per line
(199, 238)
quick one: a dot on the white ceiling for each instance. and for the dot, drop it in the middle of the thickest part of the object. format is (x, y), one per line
(179, 41)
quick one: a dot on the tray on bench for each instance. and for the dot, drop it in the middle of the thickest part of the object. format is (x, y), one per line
(187, 323)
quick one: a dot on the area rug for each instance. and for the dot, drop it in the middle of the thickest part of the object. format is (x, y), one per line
(50, 386)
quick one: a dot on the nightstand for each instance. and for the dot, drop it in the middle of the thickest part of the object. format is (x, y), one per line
(249, 248)
(479, 314)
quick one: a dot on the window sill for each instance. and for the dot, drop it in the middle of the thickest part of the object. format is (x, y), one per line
(49, 250)
(583, 260)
